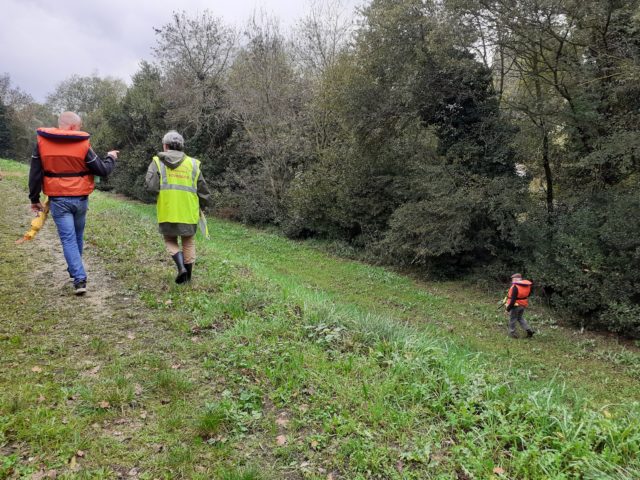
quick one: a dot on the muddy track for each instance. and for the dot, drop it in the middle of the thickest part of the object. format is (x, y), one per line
(107, 310)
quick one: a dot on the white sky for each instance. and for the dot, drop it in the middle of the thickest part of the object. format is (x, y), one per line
(43, 42)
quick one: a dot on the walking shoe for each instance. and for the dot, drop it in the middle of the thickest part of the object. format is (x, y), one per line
(530, 333)
(80, 287)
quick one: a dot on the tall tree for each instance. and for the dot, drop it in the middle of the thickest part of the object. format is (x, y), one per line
(267, 99)
(6, 142)
(423, 144)
(194, 54)
(319, 40)
(23, 116)
(138, 125)
(85, 95)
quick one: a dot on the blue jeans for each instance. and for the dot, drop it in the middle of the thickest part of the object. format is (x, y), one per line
(69, 214)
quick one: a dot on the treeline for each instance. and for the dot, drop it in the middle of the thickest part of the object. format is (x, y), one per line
(455, 136)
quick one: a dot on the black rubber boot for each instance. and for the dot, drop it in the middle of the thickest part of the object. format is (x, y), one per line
(530, 333)
(182, 271)
(189, 267)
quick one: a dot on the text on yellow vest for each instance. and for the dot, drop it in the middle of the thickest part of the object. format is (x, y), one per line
(178, 197)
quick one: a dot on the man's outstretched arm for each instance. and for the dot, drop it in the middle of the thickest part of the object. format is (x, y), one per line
(99, 166)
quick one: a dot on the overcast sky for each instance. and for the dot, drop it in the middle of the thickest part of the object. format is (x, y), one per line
(42, 42)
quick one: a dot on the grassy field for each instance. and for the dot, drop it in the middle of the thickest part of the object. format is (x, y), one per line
(281, 361)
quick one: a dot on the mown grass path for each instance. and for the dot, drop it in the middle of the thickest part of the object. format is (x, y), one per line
(604, 370)
(281, 361)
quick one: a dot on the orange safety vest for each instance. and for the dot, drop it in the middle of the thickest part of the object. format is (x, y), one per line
(524, 290)
(63, 154)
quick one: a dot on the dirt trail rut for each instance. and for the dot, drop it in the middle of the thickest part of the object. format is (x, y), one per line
(107, 310)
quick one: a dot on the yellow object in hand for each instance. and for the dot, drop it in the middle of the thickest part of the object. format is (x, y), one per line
(36, 224)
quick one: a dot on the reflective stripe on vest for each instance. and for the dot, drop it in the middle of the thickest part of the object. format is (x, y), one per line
(178, 197)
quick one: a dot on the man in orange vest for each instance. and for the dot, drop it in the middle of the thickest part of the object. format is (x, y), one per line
(62, 166)
(517, 301)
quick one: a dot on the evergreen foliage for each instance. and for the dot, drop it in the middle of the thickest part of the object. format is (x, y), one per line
(6, 142)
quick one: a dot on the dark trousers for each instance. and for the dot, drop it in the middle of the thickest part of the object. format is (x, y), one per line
(517, 316)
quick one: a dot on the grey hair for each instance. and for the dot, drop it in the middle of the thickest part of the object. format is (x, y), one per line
(173, 140)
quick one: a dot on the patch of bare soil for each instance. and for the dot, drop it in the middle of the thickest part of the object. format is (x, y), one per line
(107, 311)
(54, 278)
(12, 174)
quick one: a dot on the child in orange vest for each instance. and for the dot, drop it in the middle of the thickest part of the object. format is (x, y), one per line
(517, 301)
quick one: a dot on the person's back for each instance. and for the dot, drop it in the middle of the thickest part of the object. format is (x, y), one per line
(517, 302)
(63, 166)
(182, 191)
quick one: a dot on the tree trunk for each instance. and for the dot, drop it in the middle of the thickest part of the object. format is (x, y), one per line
(546, 164)
(547, 171)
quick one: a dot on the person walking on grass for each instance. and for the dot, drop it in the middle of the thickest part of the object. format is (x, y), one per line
(182, 192)
(62, 166)
(517, 302)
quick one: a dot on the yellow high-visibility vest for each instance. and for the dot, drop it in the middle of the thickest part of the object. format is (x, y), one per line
(178, 198)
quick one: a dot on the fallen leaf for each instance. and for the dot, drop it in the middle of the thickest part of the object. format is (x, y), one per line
(304, 407)
(94, 370)
(80, 454)
(36, 369)
(73, 464)
(330, 477)
(498, 470)
(314, 444)
(176, 366)
(41, 475)
(137, 388)
(131, 336)
(143, 415)
(104, 404)
(281, 439)
(41, 399)
(168, 302)
(282, 421)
